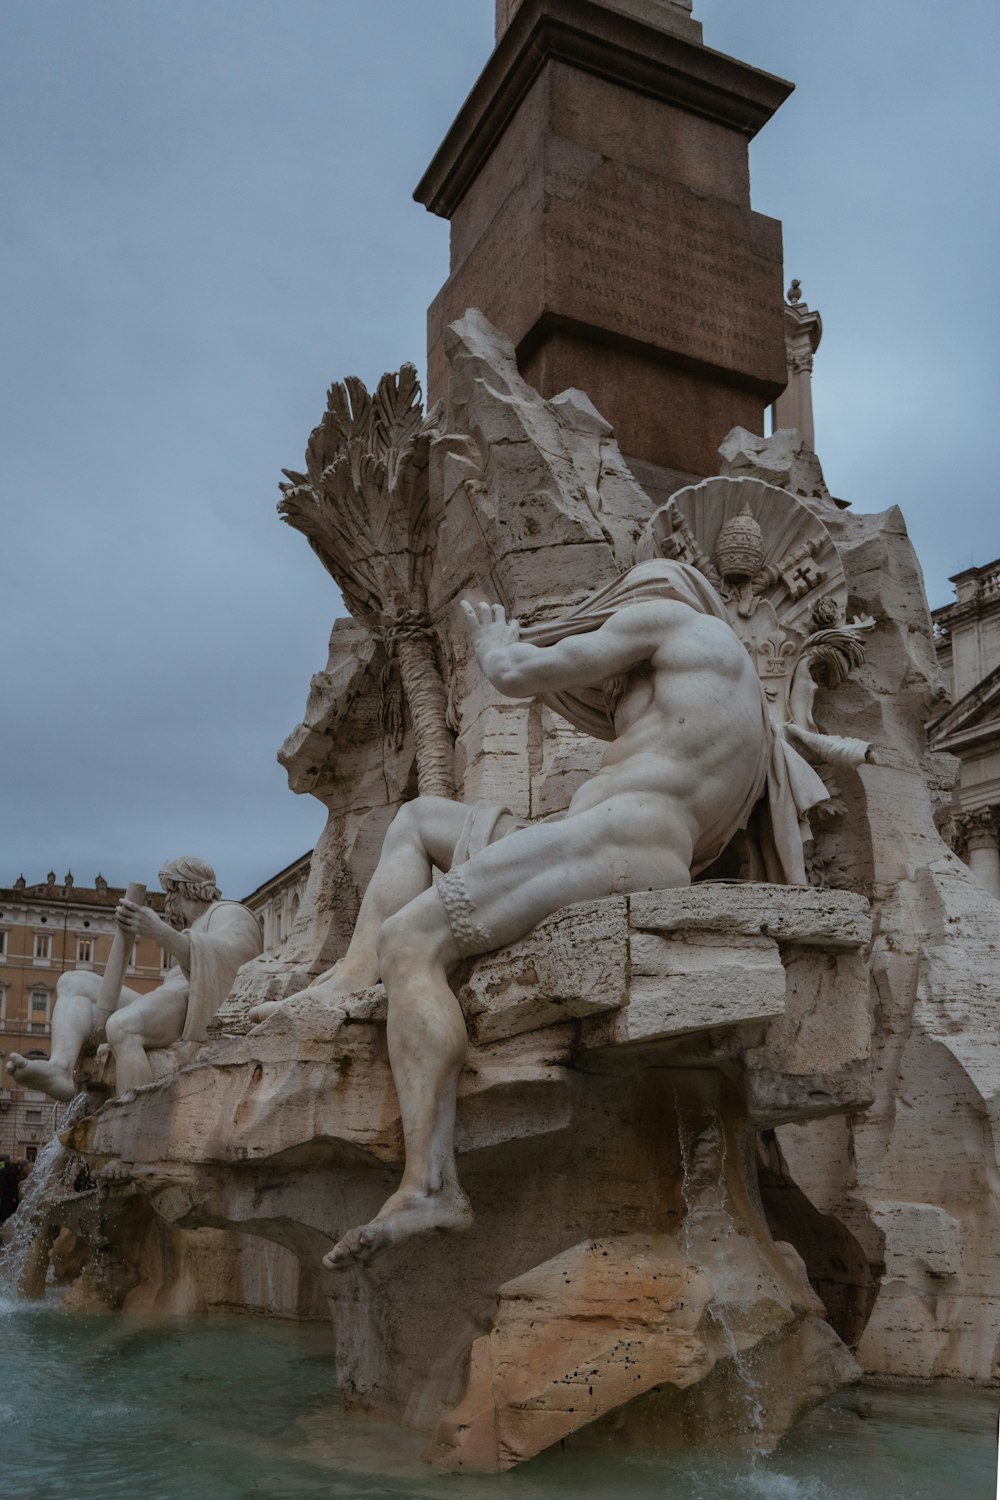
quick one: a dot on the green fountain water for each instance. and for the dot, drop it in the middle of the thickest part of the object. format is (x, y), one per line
(224, 1408)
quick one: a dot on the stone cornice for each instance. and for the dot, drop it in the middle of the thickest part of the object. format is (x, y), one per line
(953, 727)
(78, 899)
(803, 322)
(948, 616)
(606, 43)
(967, 739)
(977, 594)
(288, 876)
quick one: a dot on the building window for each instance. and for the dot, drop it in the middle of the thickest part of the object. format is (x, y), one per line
(43, 946)
(166, 960)
(3, 1006)
(31, 1154)
(38, 1013)
(3, 943)
(34, 1114)
(84, 950)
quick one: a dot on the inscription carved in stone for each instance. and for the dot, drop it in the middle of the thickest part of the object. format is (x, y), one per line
(642, 258)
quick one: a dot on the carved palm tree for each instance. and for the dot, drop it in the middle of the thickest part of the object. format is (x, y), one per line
(362, 504)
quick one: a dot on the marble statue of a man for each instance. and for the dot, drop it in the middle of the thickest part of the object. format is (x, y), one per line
(207, 937)
(650, 663)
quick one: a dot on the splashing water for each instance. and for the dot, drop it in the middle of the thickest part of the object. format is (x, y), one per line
(23, 1226)
(703, 1187)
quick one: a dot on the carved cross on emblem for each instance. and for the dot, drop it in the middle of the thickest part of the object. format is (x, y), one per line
(805, 576)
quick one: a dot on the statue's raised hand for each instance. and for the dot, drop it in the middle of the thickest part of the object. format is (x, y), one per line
(492, 633)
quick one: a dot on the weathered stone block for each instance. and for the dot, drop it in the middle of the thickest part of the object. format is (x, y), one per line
(573, 965)
(790, 914)
(620, 1316)
(816, 1058)
(607, 226)
(686, 984)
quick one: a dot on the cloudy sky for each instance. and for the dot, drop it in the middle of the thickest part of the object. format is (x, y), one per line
(207, 218)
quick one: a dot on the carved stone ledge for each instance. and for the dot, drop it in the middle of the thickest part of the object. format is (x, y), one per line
(667, 962)
(609, 975)
(809, 918)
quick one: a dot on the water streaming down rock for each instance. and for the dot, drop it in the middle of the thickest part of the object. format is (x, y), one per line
(24, 1255)
(707, 1216)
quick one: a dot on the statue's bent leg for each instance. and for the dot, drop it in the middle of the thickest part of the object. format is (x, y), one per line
(497, 896)
(631, 842)
(421, 836)
(153, 1020)
(427, 1047)
(75, 1021)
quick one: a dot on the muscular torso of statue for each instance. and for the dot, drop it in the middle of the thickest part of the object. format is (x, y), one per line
(681, 713)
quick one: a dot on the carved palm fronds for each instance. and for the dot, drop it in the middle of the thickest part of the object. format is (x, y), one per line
(357, 503)
(362, 505)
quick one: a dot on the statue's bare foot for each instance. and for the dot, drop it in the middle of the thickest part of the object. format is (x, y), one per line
(115, 1171)
(35, 1073)
(400, 1218)
(327, 989)
(337, 983)
(264, 1010)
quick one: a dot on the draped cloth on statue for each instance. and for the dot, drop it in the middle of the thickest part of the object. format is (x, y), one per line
(223, 938)
(784, 777)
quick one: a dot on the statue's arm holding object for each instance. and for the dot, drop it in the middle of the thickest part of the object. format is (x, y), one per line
(142, 921)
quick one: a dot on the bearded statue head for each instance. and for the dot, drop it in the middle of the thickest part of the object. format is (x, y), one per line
(187, 879)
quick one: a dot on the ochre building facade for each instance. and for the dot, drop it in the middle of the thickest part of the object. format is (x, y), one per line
(46, 929)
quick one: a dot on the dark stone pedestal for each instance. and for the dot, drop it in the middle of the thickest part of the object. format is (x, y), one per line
(598, 189)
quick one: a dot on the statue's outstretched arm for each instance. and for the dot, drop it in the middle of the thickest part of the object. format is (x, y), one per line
(520, 670)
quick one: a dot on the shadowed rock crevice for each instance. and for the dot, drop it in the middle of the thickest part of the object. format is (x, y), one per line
(837, 1266)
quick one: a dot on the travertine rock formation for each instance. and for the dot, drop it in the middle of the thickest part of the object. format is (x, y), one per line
(624, 1057)
(507, 476)
(912, 1178)
(774, 1103)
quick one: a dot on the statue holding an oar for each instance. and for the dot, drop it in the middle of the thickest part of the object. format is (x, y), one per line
(208, 938)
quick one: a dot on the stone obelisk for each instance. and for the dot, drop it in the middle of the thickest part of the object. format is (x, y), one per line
(597, 183)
